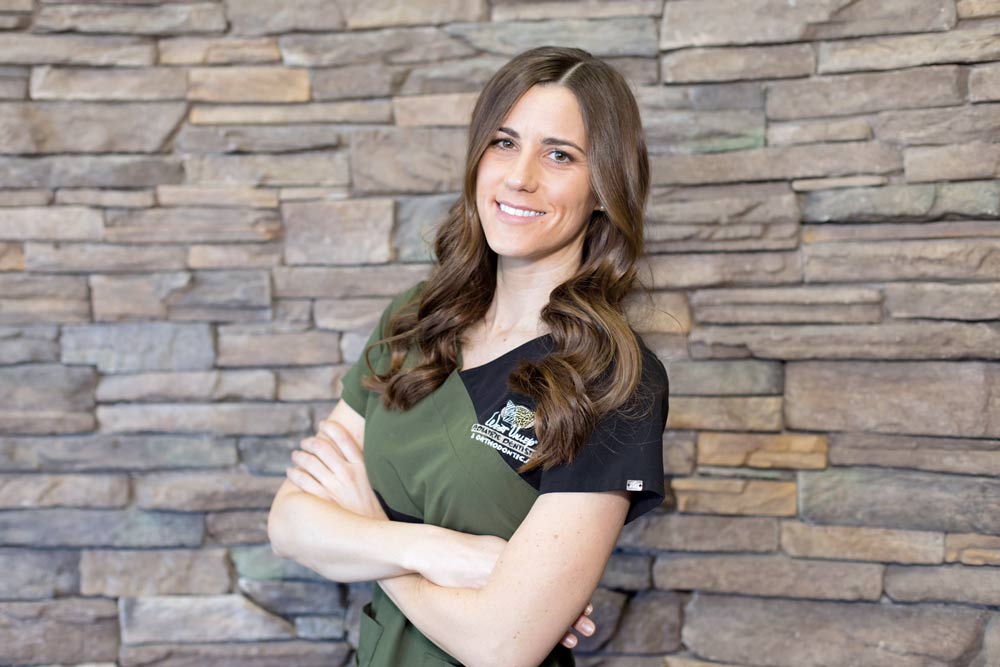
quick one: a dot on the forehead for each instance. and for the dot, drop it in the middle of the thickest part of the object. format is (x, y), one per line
(548, 111)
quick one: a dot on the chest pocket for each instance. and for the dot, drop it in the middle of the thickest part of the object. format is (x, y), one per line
(371, 630)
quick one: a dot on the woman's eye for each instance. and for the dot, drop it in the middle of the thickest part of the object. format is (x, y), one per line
(566, 155)
(498, 141)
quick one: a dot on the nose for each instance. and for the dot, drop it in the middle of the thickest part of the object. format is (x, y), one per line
(521, 174)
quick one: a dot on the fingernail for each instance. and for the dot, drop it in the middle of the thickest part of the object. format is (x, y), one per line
(572, 641)
(589, 627)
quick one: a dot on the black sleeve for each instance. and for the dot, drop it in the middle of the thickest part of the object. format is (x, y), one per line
(624, 452)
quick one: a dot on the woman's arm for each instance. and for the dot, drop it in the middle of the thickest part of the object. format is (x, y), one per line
(546, 574)
(330, 539)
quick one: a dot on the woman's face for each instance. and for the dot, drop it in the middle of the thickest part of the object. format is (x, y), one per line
(537, 161)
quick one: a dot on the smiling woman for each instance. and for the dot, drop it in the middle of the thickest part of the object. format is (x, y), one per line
(506, 417)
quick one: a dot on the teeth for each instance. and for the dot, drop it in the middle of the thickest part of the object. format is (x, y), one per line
(518, 212)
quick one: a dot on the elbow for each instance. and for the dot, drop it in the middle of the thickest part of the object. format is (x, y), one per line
(278, 530)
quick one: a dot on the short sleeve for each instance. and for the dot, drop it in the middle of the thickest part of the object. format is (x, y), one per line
(351, 391)
(624, 452)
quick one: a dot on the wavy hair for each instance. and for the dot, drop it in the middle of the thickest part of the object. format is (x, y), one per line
(595, 366)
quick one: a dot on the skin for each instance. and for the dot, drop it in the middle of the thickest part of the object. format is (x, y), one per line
(522, 168)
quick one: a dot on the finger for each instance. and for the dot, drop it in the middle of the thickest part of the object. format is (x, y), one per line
(348, 445)
(329, 454)
(590, 608)
(305, 481)
(584, 626)
(315, 467)
(569, 641)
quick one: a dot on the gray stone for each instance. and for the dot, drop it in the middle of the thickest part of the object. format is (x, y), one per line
(679, 532)
(33, 573)
(947, 583)
(976, 301)
(887, 340)
(651, 624)
(155, 20)
(64, 631)
(762, 631)
(770, 575)
(236, 527)
(685, 23)
(105, 83)
(908, 259)
(120, 573)
(390, 46)
(135, 346)
(276, 346)
(339, 282)
(625, 36)
(98, 258)
(202, 491)
(722, 377)
(885, 498)
(190, 224)
(941, 398)
(355, 231)
(294, 597)
(210, 418)
(971, 43)
(108, 491)
(936, 86)
(198, 618)
(972, 456)
(103, 451)
(99, 528)
(257, 138)
(118, 171)
(411, 159)
(213, 385)
(82, 127)
(47, 223)
(776, 163)
(101, 50)
(312, 168)
(236, 654)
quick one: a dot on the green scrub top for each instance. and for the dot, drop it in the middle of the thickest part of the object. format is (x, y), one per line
(451, 461)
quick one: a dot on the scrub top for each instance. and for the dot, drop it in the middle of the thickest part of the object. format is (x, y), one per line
(451, 460)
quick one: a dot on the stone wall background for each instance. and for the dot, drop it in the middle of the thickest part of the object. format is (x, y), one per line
(204, 207)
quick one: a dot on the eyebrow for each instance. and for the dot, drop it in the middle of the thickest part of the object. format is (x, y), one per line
(548, 141)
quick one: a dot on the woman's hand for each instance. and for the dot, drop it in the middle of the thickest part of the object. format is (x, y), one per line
(331, 466)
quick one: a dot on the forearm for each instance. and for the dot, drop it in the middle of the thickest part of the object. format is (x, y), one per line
(340, 545)
(455, 619)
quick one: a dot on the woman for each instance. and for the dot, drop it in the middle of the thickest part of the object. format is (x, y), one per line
(510, 421)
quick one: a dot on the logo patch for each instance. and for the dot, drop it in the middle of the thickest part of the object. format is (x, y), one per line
(633, 485)
(503, 431)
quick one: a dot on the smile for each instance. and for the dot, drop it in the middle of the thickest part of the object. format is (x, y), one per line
(519, 212)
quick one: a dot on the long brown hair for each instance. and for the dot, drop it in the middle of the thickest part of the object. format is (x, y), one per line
(595, 366)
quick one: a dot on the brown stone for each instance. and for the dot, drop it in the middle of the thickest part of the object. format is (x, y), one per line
(860, 543)
(941, 398)
(728, 64)
(707, 495)
(761, 450)
(770, 575)
(729, 413)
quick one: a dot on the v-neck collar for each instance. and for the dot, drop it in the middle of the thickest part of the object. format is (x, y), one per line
(468, 371)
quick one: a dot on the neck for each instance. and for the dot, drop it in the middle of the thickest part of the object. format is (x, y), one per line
(522, 290)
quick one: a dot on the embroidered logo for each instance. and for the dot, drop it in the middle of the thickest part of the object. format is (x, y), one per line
(502, 431)
(633, 485)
